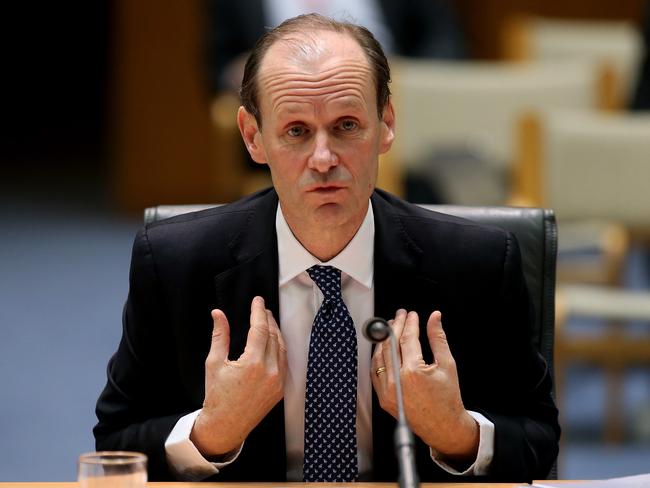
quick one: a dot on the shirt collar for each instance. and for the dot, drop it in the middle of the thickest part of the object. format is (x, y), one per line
(355, 260)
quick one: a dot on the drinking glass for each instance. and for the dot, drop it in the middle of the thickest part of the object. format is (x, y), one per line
(115, 469)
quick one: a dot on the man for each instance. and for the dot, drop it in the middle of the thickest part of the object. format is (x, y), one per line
(317, 110)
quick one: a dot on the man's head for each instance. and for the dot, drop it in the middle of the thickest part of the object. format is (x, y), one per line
(315, 120)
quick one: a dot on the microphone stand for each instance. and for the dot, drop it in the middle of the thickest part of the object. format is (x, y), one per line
(377, 330)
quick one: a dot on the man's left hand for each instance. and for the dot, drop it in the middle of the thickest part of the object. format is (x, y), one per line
(432, 400)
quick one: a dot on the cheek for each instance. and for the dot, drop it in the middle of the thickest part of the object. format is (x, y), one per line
(289, 154)
(284, 175)
(367, 161)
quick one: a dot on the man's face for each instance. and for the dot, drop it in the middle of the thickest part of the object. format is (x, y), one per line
(321, 134)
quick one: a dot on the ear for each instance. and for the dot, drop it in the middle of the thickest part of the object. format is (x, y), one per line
(387, 128)
(252, 135)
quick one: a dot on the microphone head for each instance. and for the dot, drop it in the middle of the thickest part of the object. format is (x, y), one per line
(376, 329)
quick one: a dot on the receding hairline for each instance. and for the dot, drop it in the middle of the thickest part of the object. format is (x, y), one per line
(310, 49)
(301, 28)
(303, 56)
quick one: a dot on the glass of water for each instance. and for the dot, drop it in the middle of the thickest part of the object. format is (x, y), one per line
(115, 469)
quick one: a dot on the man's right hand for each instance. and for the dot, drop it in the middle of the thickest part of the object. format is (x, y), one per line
(239, 394)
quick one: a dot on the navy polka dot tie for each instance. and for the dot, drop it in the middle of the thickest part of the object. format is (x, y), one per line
(331, 396)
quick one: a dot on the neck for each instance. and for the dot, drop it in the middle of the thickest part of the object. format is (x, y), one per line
(325, 244)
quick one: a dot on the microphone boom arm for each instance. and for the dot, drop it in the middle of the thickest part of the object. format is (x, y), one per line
(378, 330)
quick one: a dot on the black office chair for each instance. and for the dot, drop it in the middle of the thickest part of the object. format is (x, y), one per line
(536, 231)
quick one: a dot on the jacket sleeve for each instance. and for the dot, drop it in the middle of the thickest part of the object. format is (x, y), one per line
(138, 408)
(524, 414)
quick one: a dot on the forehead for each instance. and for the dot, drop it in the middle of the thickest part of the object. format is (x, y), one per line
(323, 65)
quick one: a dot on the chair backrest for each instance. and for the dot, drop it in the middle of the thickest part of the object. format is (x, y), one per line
(597, 166)
(443, 106)
(615, 44)
(535, 230)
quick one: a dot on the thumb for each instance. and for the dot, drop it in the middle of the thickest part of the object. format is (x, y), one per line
(220, 337)
(438, 340)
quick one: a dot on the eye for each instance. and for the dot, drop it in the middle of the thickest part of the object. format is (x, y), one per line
(348, 125)
(296, 131)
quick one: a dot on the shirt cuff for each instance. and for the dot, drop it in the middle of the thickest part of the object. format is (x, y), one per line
(481, 464)
(184, 459)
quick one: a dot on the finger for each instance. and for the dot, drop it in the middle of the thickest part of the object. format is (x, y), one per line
(378, 354)
(273, 344)
(377, 359)
(438, 340)
(282, 348)
(275, 328)
(220, 337)
(258, 334)
(376, 381)
(410, 341)
(388, 376)
(376, 363)
(397, 325)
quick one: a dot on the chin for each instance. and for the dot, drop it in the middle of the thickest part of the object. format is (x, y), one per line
(338, 214)
(329, 210)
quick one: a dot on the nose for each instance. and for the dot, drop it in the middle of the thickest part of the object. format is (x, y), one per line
(322, 158)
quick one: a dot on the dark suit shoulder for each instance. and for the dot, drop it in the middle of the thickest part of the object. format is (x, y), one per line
(420, 223)
(445, 247)
(220, 236)
(226, 212)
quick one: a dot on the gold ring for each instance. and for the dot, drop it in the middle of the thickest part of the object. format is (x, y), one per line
(380, 370)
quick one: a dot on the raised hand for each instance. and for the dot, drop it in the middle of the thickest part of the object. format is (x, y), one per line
(432, 400)
(239, 394)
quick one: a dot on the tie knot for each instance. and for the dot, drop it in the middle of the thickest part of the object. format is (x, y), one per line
(328, 279)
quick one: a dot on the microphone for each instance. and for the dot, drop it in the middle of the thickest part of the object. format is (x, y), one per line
(377, 330)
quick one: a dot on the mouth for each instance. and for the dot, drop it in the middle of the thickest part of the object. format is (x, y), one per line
(325, 189)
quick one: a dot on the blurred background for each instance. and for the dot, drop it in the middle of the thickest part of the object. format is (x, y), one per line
(111, 107)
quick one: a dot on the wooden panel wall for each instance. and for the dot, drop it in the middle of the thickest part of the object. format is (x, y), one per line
(482, 20)
(160, 139)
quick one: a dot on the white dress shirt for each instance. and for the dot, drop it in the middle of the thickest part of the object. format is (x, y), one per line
(300, 299)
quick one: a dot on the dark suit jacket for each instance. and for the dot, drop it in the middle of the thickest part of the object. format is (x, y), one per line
(185, 266)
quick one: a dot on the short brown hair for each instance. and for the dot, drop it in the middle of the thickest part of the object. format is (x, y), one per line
(249, 91)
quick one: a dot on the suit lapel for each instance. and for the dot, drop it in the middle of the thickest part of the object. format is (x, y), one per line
(255, 272)
(399, 283)
(254, 251)
(236, 288)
